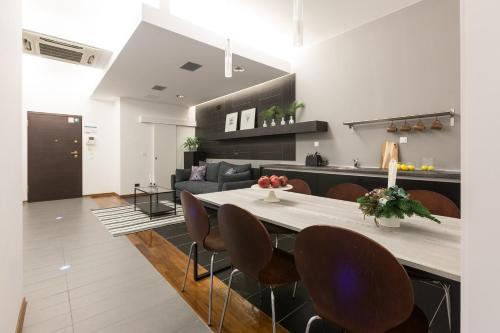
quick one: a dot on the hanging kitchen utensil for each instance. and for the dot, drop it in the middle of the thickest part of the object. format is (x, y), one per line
(436, 124)
(392, 128)
(405, 128)
(419, 126)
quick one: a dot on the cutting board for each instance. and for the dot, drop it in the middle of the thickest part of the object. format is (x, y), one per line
(390, 151)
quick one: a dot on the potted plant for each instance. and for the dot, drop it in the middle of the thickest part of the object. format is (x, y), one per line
(389, 205)
(292, 110)
(191, 143)
(271, 114)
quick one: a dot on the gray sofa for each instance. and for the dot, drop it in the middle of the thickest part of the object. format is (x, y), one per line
(217, 178)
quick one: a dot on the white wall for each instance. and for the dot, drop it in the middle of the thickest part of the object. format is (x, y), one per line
(480, 182)
(401, 64)
(58, 87)
(11, 264)
(136, 148)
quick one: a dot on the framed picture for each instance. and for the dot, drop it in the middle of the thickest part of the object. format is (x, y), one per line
(247, 120)
(232, 122)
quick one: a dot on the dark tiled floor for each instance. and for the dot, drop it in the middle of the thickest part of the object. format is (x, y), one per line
(293, 314)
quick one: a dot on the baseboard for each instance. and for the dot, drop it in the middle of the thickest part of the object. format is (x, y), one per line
(100, 195)
(22, 314)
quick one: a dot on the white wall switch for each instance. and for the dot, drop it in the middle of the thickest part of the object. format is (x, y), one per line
(316, 143)
(403, 139)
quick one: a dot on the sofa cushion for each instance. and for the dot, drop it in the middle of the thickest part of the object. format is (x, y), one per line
(212, 171)
(197, 187)
(224, 166)
(198, 173)
(182, 174)
(237, 177)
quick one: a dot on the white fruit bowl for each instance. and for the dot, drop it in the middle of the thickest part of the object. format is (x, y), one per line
(271, 195)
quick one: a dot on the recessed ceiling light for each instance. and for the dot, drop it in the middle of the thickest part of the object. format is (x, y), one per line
(239, 69)
(179, 96)
(64, 268)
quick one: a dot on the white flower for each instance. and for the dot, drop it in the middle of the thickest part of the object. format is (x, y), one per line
(382, 201)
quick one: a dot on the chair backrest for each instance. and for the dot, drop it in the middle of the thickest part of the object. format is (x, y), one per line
(346, 192)
(196, 217)
(246, 239)
(436, 203)
(299, 186)
(352, 280)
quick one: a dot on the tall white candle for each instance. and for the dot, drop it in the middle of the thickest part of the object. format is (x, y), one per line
(392, 173)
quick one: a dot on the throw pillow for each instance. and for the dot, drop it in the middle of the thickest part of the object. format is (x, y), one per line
(212, 174)
(198, 172)
(230, 171)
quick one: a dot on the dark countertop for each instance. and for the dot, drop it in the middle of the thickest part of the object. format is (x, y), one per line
(443, 175)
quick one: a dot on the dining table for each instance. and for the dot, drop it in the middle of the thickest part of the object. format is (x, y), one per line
(429, 247)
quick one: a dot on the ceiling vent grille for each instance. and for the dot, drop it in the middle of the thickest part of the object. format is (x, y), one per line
(190, 66)
(63, 50)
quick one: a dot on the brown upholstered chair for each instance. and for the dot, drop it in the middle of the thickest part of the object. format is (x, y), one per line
(436, 203)
(346, 192)
(252, 253)
(356, 283)
(299, 186)
(201, 233)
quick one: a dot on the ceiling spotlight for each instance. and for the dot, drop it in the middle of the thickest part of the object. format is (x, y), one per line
(228, 60)
(298, 22)
(239, 69)
(179, 96)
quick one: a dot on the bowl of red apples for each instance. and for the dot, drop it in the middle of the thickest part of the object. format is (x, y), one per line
(271, 184)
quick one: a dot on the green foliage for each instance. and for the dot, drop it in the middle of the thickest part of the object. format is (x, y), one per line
(274, 112)
(191, 143)
(392, 202)
(294, 106)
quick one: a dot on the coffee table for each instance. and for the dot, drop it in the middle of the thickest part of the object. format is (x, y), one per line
(153, 206)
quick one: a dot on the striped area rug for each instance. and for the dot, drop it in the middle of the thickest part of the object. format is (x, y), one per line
(124, 220)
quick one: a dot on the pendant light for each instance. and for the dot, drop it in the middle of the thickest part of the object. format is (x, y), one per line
(298, 22)
(228, 60)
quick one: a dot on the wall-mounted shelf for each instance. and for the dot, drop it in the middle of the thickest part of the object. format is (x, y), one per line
(314, 126)
(450, 114)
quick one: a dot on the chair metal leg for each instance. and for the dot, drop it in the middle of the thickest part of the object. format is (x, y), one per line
(226, 301)
(187, 267)
(311, 320)
(276, 240)
(211, 288)
(446, 288)
(273, 312)
(294, 289)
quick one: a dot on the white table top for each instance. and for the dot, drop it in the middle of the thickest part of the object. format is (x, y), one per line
(418, 243)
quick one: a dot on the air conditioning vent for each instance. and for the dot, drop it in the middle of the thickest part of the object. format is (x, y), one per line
(158, 87)
(190, 66)
(59, 52)
(63, 50)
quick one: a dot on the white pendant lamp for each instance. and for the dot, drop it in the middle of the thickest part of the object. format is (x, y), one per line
(298, 22)
(228, 60)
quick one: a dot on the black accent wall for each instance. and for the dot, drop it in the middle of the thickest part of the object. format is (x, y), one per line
(211, 119)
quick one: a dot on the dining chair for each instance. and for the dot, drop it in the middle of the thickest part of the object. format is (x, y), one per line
(356, 283)
(346, 192)
(437, 204)
(252, 253)
(299, 186)
(198, 226)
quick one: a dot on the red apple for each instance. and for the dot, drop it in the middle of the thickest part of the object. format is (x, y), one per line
(283, 180)
(264, 182)
(275, 182)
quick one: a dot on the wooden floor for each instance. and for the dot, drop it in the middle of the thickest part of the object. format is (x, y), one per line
(241, 315)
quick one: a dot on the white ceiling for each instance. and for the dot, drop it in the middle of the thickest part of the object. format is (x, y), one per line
(153, 55)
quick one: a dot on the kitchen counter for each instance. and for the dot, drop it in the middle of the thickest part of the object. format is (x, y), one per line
(447, 176)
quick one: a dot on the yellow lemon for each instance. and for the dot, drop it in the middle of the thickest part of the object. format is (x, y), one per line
(398, 166)
(411, 167)
(430, 168)
(424, 167)
(404, 167)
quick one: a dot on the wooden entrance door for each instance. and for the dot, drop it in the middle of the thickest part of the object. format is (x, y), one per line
(54, 156)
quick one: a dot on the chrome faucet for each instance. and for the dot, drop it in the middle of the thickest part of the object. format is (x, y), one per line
(356, 162)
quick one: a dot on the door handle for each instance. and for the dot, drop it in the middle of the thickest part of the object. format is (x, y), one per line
(74, 152)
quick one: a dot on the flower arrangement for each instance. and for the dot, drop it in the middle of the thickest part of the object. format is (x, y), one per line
(392, 202)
